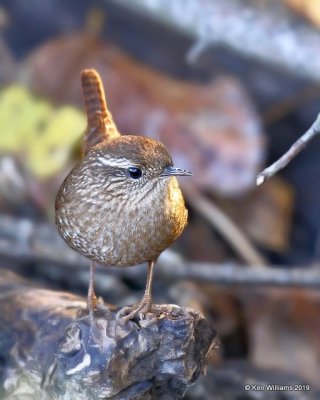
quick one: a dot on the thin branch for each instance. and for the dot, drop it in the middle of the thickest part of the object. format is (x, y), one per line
(24, 241)
(232, 274)
(224, 225)
(291, 153)
(173, 267)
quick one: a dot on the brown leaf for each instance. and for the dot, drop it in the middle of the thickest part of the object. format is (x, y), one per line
(265, 214)
(210, 129)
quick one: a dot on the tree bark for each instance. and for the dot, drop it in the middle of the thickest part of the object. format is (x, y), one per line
(49, 348)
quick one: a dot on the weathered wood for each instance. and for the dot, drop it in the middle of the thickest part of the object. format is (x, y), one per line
(49, 349)
(237, 24)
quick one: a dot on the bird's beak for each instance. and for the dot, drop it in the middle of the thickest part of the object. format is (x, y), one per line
(172, 171)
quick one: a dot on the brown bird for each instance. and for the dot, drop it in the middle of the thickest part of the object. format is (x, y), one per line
(121, 204)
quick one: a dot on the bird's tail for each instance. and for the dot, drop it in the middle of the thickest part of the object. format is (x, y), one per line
(100, 124)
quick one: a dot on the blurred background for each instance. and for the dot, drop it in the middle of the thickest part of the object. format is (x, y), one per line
(228, 86)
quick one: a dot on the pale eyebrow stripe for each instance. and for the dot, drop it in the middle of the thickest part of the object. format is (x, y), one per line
(120, 162)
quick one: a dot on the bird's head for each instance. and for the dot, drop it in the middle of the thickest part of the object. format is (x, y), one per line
(130, 164)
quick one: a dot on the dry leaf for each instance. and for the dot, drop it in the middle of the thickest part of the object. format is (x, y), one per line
(265, 214)
(41, 135)
(210, 129)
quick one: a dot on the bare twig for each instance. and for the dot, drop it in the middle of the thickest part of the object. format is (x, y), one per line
(23, 241)
(233, 274)
(224, 225)
(291, 153)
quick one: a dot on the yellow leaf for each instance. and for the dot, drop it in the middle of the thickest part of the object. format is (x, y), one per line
(41, 135)
(51, 150)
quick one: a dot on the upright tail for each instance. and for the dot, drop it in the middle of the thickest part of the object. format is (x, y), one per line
(100, 125)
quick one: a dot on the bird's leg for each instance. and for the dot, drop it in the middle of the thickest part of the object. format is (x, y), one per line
(144, 305)
(147, 297)
(92, 299)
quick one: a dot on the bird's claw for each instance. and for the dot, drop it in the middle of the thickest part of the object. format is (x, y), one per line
(128, 313)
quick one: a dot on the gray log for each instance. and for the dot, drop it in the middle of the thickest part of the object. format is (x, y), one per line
(267, 32)
(49, 349)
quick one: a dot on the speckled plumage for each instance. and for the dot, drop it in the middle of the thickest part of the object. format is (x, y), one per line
(121, 204)
(111, 218)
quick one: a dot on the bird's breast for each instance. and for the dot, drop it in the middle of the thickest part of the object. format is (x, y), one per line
(120, 232)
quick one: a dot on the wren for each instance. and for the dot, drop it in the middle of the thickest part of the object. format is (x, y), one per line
(121, 204)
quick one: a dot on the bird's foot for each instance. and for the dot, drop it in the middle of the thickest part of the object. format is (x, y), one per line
(92, 305)
(128, 313)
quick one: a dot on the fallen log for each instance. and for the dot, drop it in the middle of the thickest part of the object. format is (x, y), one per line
(50, 349)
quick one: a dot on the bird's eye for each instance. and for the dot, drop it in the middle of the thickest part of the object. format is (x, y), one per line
(134, 172)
